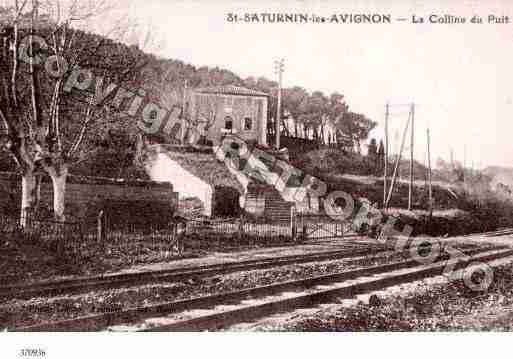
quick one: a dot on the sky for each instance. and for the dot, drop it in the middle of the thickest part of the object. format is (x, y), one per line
(458, 75)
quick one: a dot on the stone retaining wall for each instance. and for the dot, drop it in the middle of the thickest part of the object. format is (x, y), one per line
(85, 196)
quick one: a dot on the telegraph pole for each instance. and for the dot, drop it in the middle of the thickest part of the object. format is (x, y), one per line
(184, 102)
(410, 190)
(279, 67)
(464, 163)
(397, 162)
(385, 174)
(429, 176)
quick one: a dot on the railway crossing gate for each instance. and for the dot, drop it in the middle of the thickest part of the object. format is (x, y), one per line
(319, 226)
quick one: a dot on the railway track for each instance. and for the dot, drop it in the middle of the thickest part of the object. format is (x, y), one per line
(497, 233)
(503, 232)
(219, 311)
(85, 284)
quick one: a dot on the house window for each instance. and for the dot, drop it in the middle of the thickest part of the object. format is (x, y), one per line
(248, 124)
(228, 123)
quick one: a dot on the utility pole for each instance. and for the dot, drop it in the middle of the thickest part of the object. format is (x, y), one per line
(429, 176)
(385, 173)
(410, 189)
(397, 162)
(464, 155)
(184, 102)
(279, 67)
(464, 163)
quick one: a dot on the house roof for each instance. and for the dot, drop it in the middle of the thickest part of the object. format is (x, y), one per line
(231, 90)
(204, 166)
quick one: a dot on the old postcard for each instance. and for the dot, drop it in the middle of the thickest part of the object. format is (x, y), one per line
(253, 166)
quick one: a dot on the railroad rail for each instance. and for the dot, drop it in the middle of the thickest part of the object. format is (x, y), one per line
(500, 232)
(503, 232)
(219, 311)
(84, 284)
(112, 281)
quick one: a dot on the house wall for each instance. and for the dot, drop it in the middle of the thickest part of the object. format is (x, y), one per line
(238, 108)
(164, 169)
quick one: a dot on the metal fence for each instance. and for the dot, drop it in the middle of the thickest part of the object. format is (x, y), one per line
(300, 227)
(175, 238)
(94, 236)
(237, 228)
(320, 226)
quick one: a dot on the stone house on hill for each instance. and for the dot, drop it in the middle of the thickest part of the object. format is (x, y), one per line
(231, 109)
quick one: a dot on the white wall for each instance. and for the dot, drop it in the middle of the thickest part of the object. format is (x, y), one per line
(164, 169)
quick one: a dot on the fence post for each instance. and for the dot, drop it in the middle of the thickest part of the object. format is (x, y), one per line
(241, 227)
(293, 222)
(101, 226)
(183, 237)
(304, 233)
(176, 237)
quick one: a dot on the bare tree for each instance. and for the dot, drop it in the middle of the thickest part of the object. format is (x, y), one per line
(47, 129)
(24, 131)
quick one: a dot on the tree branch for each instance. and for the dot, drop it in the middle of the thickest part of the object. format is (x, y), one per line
(85, 123)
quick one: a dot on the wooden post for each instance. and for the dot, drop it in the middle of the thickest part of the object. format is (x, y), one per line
(175, 237)
(464, 165)
(304, 234)
(184, 101)
(181, 235)
(293, 222)
(385, 172)
(410, 188)
(398, 160)
(279, 70)
(101, 227)
(429, 177)
(241, 227)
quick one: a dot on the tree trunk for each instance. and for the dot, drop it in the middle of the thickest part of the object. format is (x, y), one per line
(59, 176)
(28, 197)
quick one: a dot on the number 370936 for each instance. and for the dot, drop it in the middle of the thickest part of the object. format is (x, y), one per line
(32, 353)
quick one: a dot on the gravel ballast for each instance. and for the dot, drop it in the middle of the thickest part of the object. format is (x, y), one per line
(16, 313)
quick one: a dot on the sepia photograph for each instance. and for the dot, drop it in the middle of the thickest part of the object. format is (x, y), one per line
(238, 167)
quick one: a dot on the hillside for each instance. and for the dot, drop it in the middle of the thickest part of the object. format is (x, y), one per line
(500, 174)
(163, 81)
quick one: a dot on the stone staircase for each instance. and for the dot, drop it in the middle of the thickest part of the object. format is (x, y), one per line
(276, 208)
(266, 201)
